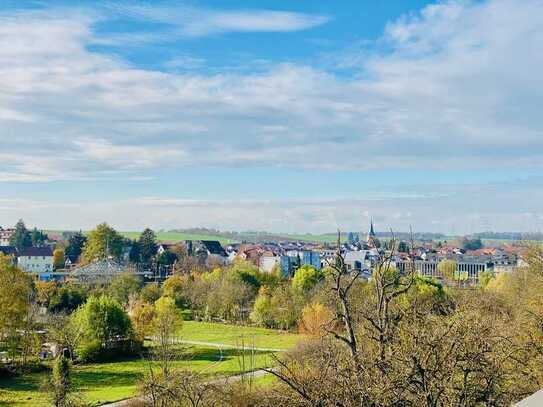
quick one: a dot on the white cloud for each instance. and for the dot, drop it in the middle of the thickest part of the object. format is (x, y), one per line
(459, 87)
(494, 206)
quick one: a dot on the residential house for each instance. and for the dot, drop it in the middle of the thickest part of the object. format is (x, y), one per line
(36, 260)
(207, 250)
(5, 236)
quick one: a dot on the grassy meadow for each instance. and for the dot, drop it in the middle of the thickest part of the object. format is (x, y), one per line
(101, 383)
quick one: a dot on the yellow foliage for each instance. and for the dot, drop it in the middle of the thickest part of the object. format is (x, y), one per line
(315, 318)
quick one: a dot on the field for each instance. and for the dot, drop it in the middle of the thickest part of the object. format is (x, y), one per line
(107, 382)
(231, 335)
(180, 236)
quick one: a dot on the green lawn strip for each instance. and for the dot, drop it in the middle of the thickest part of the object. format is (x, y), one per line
(107, 382)
(233, 334)
(178, 237)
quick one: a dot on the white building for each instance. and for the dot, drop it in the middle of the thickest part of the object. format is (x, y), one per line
(269, 262)
(36, 260)
(5, 236)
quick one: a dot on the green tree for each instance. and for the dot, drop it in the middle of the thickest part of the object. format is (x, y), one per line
(21, 238)
(124, 286)
(135, 252)
(148, 246)
(104, 241)
(38, 237)
(15, 301)
(75, 246)
(166, 323)
(472, 244)
(150, 293)
(60, 383)
(306, 278)
(263, 312)
(103, 324)
(447, 268)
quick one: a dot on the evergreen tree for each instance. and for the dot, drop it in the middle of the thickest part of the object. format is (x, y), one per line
(38, 237)
(148, 246)
(21, 238)
(75, 246)
(135, 252)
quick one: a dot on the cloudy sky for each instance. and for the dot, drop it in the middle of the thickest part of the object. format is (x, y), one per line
(291, 117)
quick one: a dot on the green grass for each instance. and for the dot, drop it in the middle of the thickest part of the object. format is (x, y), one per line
(231, 335)
(178, 237)
(108, 382)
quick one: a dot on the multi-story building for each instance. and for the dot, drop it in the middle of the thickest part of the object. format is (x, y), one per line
(5, 236)
(470, 266)
(37, 260)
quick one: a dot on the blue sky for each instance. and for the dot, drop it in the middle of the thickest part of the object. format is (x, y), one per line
(273, 115)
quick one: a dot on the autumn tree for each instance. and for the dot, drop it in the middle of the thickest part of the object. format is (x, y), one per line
(315, 319)
(103, 242)
(166, 323)
(58, 258)
(15, 303)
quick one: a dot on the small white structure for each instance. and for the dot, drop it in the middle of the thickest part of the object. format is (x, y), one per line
(357, 260)
(269, 262)
(36, 260)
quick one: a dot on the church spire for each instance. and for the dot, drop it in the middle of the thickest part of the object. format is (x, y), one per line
(372, 232)
(372, 239)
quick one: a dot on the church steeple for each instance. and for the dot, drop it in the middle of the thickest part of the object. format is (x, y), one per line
(372, 232)
(372, 239)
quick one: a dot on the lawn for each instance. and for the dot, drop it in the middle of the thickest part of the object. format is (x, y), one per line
(232, 335)
(107, 382)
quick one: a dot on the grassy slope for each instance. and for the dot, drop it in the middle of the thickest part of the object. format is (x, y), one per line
(106, 382)
(231, 335)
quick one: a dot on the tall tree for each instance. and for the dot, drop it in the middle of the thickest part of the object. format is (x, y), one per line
(135, 252)
(38, 237)
(75, 246)
(15, 300)
(148, 246)
(21, 238)
(60, 383)
(103, 242)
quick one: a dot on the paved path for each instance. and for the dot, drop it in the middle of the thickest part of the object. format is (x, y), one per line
(222, 381)
(227, 346)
